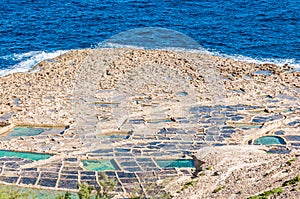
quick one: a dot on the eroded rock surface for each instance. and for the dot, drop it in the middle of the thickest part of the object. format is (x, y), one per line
(135, 106)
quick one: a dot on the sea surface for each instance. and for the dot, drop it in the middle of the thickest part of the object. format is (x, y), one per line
(258, 30)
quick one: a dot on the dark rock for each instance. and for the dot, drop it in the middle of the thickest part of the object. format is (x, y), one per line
(3, 124)
(197, 164)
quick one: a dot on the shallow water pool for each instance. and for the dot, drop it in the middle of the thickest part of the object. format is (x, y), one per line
(269, 140)
(25, 131)
(100, 165)
(177, 163)
(24, 155)
(31, 131)
(246, 126)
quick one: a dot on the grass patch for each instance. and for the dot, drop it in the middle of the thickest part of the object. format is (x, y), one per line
(218, 189)
(294, 189)
(289, 162)
(209, 168)
(293, 181)
(266, 194)
(187, 184)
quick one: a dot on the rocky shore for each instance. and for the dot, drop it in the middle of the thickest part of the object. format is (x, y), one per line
(130, 104)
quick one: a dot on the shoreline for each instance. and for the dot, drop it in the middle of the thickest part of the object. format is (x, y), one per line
(130, 104)
(281, 62)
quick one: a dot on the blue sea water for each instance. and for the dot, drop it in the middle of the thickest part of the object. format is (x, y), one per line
(33, 30)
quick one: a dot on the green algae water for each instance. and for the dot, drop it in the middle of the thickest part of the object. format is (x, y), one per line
(269, 140)
(25, 155)
(100, 165)
(179, 163)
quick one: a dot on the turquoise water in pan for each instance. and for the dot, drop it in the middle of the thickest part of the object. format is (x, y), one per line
(178, 163)
(269, 140)
(100, 165)
(25, 155)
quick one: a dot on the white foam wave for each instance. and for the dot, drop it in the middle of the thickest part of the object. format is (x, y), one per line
(179, 49)
(280, 62)
(28, 60)
(292, 62)
(116, 45)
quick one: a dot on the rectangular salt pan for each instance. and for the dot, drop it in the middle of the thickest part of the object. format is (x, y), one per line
(24, 155)
(176, 163)
(100, 165)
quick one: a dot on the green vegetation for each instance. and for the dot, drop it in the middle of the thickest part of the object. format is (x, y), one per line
(151, 190)
(293, 181)
(108, 185)
(7, 192)
(187, 184)
(11, 192)
(209, 168)
(67, 195)
(289, 162)
(155, 191)
(136, 195)
(85, 191)
(219, 189)
(266, 194)
(294, 189)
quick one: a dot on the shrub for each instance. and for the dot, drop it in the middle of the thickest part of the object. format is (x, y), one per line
(293, 181)
(187, 184)
(67, 195)
(266, 194)
(8, 192)
(85, 191)
(289, 162)
(108, 185)
(218, 189)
